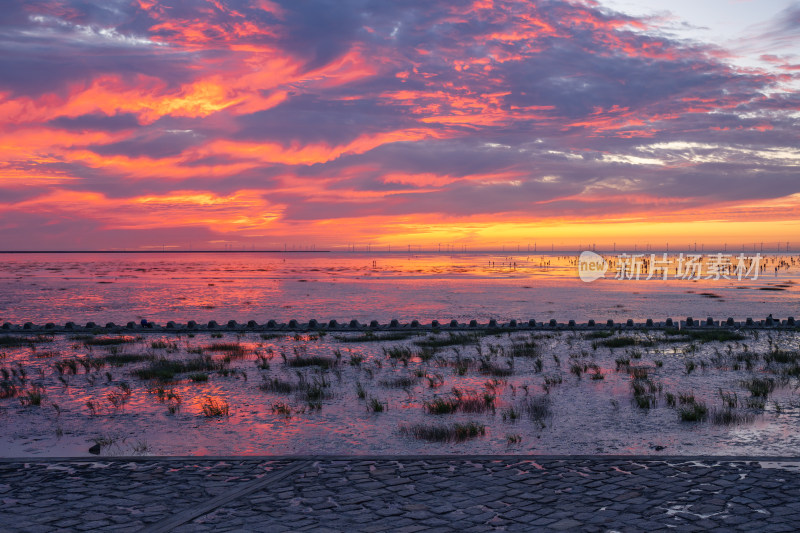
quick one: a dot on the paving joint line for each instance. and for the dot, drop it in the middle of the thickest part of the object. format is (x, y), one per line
(183, 517)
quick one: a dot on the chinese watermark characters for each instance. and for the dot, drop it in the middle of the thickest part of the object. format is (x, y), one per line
(592, 266)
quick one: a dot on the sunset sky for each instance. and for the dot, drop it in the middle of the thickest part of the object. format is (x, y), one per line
(223, 124)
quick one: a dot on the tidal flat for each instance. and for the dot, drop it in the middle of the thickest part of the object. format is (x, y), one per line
(670, 392)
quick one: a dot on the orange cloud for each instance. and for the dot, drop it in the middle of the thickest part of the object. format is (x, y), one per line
(240, 211)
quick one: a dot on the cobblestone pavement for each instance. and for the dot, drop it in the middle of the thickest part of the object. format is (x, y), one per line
(402, 494)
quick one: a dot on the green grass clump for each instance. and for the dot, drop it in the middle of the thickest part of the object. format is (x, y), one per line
(401, 382)
(119, 397)
(398, 352)
(622, 362)
(729, 417)
(163, 345)
(453, 339)
(445, 432)
(14, 341)
(670, 399)
(714, 335)
(375, 405)
(234, 349)
(686, 398)
(370, 336)
(512, 414)
(315, 360)
(281, 408)
(108, 341)
(759, 387)
(460, 402)
(165, 370)
(594, 335)
(644, 401)
(621, 342)
(694, 412)
(213, 407)
(278, 385)
(32, 397)
(442, 406)
(553, 380)
(525, 349)
(710, 335)
(487, 367)
(122, 359)
(536, 407)
(782, 357)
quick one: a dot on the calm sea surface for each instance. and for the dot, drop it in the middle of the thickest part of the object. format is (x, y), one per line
(344, 286)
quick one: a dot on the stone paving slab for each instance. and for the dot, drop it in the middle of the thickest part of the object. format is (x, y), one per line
(408, 493)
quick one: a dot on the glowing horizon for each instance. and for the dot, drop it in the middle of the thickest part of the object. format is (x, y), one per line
(478, 124)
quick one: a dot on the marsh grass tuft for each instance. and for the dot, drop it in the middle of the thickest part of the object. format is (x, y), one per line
(215, 407)
(512, 414)
(401, 382)
(594, 335)
(728, 417)
(578, 369)
(32, 397)
(164, 345)
(461, 402)
(622, 363)
(370, 336)
(621, 342)
(488, 367)
(314, 360)
(441, 406)
(119, 397)
(538, 408)
(374, 405)
(173, 401)
(782, 356)
(453, 339)
(232, 349)
(108, 341)
(122, 359)
(759, 387)
(165, 370)
(281, 408)
(729, 399)
(693, 412)
(670, 399)
(525, 349)
(457, 432)
(714, 335)
(278, 385)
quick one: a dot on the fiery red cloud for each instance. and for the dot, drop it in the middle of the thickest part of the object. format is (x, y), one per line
(261, 122)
